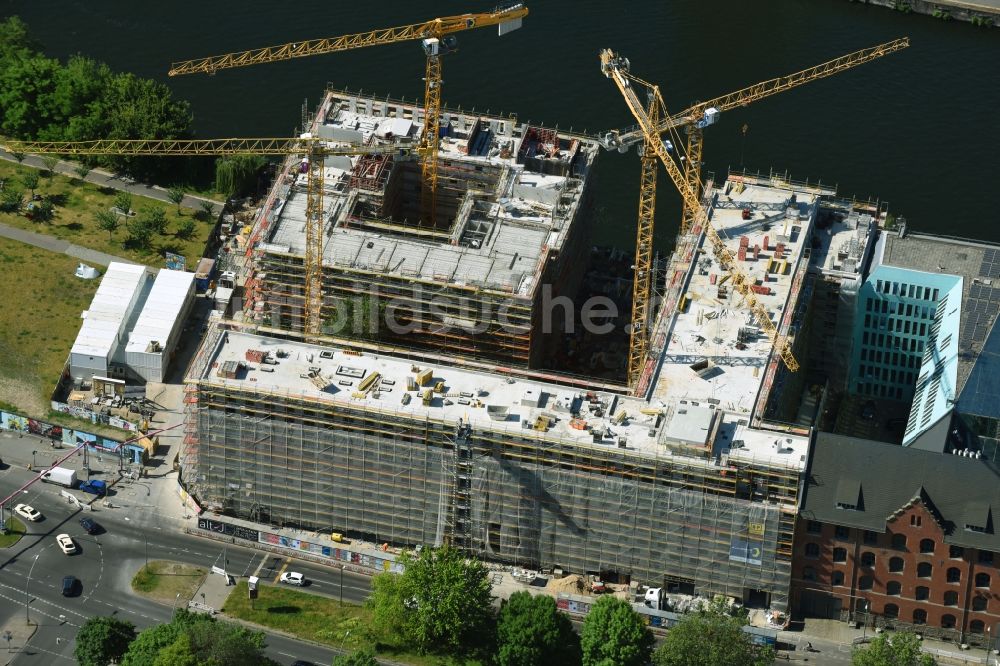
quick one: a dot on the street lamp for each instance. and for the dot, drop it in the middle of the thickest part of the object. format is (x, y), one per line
(987, 646)
(27, 618)
(33, 459)
(341, 584)
(174, 605)
(864, 631)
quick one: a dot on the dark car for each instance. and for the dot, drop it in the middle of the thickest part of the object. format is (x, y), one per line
(89, 526)
(868, 410)
(70, 586)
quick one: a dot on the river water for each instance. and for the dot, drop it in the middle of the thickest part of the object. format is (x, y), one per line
(917, 129)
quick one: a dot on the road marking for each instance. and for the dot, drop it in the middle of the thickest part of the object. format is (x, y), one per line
(263, 559)
(284, 566)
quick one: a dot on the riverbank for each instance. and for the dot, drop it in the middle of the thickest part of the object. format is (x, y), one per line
(978, 12)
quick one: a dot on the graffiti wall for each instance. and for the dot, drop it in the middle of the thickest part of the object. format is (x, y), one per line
(375, 562)
(69, 437)
(94, 417)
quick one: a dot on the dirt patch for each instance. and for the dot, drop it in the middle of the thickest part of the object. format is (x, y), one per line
(163, 581)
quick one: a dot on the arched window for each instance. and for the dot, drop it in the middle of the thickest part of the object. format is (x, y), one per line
(951, 598)
(891, 611)
(919, 616)
(979, 603)
(953, 575)
(812, 549)
(867, 559)
(982, 580)
(956, 552)
(899, 541)
(922, 593)
(895, 565)
(947, 621)
(839, 554)
(976, 627)
(865, 583)
(837, 578)
(927, 546)
(893, 588)
(924, 570)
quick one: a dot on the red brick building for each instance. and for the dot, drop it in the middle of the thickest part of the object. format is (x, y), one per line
(899, 537)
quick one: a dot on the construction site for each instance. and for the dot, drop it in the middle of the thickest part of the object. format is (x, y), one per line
(510, 218)
(385, 370)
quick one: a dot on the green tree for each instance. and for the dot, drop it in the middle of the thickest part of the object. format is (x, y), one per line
(209, 641)
(532, 630)
(108, 221)
(614, 635)
(30, 180)
(362, 657)
(441, 601)
(711, 637)
(176, 196)
(11, 199)
(178, 653)
(155, 218)
(102, 640)
(44, 211)
(140, 234)
(186, 228)
(237, 175)
(900, 648)
(82, 170)
(123, 202)
(207, 210)
(50, 162)
(18, 155)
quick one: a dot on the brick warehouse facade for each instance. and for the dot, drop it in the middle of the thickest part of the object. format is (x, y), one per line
(867, 553)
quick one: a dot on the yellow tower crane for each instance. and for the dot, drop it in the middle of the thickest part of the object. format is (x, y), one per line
(695, 119)
(438, 39)
(312, 148)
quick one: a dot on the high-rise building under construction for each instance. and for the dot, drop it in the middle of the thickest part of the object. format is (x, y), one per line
(509, 233)
(431, 438)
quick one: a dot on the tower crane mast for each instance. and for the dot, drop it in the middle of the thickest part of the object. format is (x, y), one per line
(694, 119)
(616, 68)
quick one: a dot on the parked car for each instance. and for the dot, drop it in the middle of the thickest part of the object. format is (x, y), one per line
(868, 410)
(70, 586)
(66, 544)
(28, 513)
(292, 578)
(89, 526)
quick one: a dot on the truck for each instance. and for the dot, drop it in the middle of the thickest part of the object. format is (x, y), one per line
(203, 274)
(94, 487)
(60, 476)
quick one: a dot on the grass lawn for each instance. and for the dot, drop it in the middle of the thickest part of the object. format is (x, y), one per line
(77, 203)
(38, 323)
(163, 581)
(324, 620)
(15, 530)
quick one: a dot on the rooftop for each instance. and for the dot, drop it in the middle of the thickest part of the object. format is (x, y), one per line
(486, 401)
(715, 351)
(512, 214)
(163, 305)
(978, 263)
(851, 472)
(842, 242)
(109, 309)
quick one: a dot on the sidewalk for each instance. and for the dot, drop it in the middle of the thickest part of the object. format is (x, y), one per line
(843, 634)
(58, 245)
(14, 635)
(103, 178)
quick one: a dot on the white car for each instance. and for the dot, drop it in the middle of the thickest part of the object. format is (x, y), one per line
(28, 513)
(66, 544)
(292, 578)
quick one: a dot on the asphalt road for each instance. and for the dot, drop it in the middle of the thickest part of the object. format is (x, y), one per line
(105, 566)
